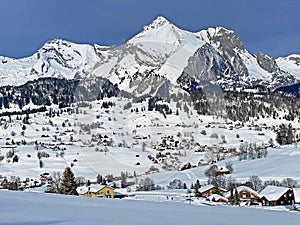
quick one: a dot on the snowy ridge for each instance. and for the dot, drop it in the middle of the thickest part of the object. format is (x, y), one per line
(160, 52)
(57, 58)
(290, 63)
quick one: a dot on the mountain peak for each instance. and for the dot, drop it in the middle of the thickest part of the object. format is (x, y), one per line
(157, 23)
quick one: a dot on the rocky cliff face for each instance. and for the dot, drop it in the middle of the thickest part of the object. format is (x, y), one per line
(267, 63)
(207, 66)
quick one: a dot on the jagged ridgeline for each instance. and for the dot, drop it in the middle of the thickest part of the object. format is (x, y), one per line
(210, 70)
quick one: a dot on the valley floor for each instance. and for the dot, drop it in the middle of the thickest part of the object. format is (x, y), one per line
(38, 208)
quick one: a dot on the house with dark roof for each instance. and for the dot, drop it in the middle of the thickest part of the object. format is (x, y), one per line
(274, 195)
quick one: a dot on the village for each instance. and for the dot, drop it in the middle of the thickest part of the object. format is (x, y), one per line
(209, 194)
(130, 147)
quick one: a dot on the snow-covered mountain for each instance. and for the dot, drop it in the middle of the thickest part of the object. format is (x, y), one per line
(159, 56)
(56, 58)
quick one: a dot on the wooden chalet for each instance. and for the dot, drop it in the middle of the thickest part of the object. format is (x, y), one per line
(246, 195)
(273, 196)
(208, 190)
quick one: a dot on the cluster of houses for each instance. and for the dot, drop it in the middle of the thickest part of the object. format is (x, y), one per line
(269, 196)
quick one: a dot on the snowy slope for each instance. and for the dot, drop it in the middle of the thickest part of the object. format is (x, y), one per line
(149, 127)
(34, 208)
(57, 58)
(266, 168)
(290, 63)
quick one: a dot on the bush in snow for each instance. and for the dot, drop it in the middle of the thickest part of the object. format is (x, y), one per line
(146, 185)
(214, 135)
(175, 184)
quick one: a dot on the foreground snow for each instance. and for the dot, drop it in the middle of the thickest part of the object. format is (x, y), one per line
(36, 208)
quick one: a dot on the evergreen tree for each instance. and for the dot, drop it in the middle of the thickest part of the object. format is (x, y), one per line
(290, 134)
(196, 189)
(184, 186)
(99, 179)
(236, 199)
(231, 198)
(68, 183)
(4, 183)
(192, 186)
(285, 134)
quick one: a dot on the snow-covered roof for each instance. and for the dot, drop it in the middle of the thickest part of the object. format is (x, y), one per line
(297, 195)
(120, 191)
(246, 188)
(206, 188)
(217, 197)
(223, 169)
(92, 188)
(243, 188)
(273, 193)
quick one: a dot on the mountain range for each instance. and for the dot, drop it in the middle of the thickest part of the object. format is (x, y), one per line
(159, 59)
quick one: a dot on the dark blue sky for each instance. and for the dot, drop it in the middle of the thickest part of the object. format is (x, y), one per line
(269, 26)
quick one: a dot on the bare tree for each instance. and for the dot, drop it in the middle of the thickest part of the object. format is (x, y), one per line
(228, 165)
(146, 184)
(289, 182)
(210, 157)
(55, 182)
(230, 183)
(256, 182)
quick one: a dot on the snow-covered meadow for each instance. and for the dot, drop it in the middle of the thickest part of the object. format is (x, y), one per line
(20, 208)
(130, 128)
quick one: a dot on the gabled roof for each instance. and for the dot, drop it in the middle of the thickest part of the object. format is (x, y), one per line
(208, 187)
(223, 169)
(243, 188)
(248, 189)
(217, 197)
(297, 195)
(273, 193)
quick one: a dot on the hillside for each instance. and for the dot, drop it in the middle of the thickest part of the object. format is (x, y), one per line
(168, 104)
